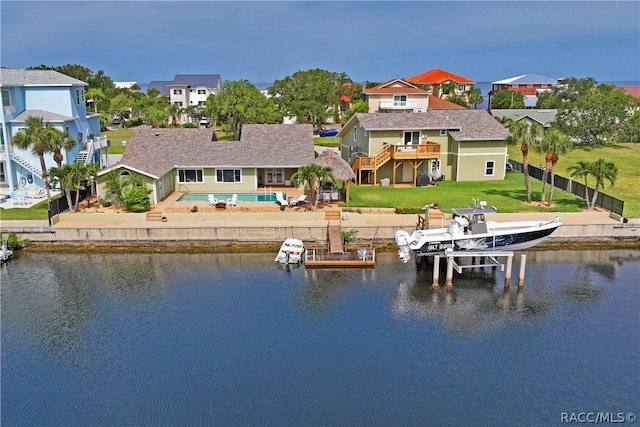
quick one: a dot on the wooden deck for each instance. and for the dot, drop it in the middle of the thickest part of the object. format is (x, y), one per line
(360, 258)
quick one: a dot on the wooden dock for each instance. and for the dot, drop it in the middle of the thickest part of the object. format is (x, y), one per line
(336, 256)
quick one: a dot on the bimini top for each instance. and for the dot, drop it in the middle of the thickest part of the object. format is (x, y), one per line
(474, 211)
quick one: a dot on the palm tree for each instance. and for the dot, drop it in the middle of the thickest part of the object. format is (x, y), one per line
(36, 136)
(58, 141)
(525, 134)
(553, 143)
(311, 176)
(74, 177)
(174, 110)
(95, 94)
(475, 97)
(601, 170)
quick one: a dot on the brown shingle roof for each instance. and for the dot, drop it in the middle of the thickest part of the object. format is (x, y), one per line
(463, 124)
(157, 151)
(436, 103)
(395, 86)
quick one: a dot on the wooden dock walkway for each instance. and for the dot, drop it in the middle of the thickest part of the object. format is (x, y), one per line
(335, 238)
(335, 256)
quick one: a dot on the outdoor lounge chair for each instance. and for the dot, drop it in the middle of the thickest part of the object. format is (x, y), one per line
(280, 199)
(299, 201)
(41, 193)
(212, 200)
(233, 201)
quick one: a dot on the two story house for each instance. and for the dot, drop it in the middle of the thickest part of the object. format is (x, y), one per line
(457, 144)
(529, 85)
(57, 99)
(398, 96)
(187, 90)
(437, 80)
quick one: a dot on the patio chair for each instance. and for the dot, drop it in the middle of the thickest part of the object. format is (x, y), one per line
(280, 199)
(299, 201)
(15, 200)
(233, 201)
(212, 200)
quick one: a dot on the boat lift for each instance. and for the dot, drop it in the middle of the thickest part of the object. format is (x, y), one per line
(488, 259)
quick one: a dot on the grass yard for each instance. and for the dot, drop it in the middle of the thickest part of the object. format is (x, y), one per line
(326, 141)
(625, 156)
(39, 211)
(507, 196)
(116, 137)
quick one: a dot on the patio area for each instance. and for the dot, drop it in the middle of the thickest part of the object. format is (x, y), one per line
(24, 198)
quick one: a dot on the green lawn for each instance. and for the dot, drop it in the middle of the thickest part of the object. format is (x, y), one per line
(625, 156)
(327, 141)
(507, 196)
(35, 212)
(116, 137)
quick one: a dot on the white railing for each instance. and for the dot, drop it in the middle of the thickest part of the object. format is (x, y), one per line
(27, 164)
(398, 105)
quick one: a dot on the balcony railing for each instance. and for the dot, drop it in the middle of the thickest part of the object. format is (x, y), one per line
(398, 105)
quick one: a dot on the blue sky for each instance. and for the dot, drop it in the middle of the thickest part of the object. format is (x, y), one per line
(375, 41)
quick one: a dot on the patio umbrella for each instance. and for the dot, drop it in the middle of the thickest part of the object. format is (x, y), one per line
(340, 168)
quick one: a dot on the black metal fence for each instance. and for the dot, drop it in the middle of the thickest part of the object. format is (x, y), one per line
(60, 205)
(566, 184)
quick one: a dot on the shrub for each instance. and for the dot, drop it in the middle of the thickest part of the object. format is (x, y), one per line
(14, 243)
(137, 199)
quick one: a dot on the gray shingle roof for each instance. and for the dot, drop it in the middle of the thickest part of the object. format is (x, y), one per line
(161, 85)
(194, 80)
(158, 151)
(47, 116)
(462, 124)
(20, 77)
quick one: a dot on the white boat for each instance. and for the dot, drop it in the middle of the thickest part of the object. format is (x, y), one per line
(469, 231)
(5, 254)
(290, 252)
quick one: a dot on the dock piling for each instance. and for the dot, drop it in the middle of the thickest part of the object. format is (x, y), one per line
(449, 281)
(523, 263)
(436, 272)
(507, 274)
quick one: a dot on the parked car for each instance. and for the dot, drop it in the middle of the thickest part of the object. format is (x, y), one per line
(329, 132)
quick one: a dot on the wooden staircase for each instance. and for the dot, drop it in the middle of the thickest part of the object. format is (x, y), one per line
(333, 214)
(154, 216)
(335, 237)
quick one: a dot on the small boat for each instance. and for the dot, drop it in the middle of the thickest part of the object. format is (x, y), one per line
(469, 231)
(291, 251)
(5, 254)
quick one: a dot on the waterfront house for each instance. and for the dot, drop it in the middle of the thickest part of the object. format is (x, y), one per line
(192, 160)
(436, 81)
(544, 118)
(397, 95)
(457, 144)
(529, 85)
(57, 99)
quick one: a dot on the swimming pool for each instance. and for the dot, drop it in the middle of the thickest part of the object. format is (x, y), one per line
(242, 197)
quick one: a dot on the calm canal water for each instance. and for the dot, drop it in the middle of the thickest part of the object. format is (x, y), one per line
(234, 340)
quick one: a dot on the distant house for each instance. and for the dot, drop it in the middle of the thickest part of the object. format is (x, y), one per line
(529, 85)
(187, 90)
(435, 81)
(399, 96)
(57, 99)
(631, 90)
(544, 118)
(190, 160)
(459, 144)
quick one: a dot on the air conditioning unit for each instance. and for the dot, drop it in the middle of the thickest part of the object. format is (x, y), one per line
(418, 110)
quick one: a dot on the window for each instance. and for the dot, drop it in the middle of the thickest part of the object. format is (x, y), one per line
(202, 91)
(177, 91)
(190, 175)
(443, 132)
(411, 138)
(489, 168)
(355, 133)
(228, 175)
(178, 103)
(6, 98)
(399, 100)
(462, 87)
(78, 96)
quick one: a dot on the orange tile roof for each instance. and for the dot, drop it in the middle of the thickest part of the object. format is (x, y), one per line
(436, 103)
(437, 76)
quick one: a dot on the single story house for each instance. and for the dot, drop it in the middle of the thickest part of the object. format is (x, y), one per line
(191, 160)
(544, 118)
(459, 144)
